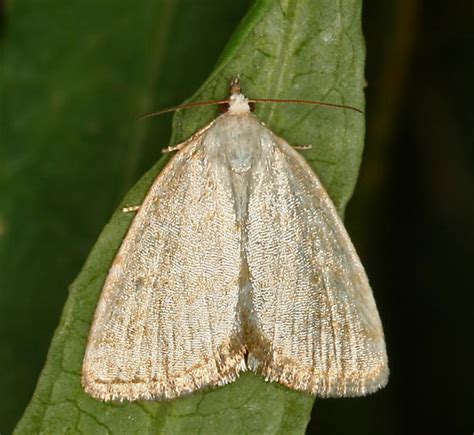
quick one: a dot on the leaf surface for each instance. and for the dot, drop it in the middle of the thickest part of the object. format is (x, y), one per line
(73, 78)
(283, 49)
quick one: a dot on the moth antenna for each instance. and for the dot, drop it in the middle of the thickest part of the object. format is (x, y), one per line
(184, 106)
(236, 89)
(313, 102)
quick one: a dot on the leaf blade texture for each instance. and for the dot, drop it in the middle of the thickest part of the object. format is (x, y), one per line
(293, 49)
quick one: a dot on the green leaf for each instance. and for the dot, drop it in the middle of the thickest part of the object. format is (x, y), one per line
(73, 78)
(310, 49)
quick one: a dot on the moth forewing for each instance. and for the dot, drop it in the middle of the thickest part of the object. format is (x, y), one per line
(311, 298)
(236, 260)
(165, 324)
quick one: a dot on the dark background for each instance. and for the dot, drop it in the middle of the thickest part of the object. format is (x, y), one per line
(411, 220)
(415, 196)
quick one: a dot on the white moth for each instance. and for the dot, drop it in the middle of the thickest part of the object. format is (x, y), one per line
(236, 260)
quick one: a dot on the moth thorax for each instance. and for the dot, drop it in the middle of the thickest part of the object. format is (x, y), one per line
(238, 104)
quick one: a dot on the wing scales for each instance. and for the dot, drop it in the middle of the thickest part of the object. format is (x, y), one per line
(192, 293)
(315, 323)
(166, 320)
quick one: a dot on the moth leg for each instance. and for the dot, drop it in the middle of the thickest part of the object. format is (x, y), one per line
(130, 209)
(174, 148)
(186, 142)
(302, 147)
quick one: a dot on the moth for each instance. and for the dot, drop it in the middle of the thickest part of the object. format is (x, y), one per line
(236, 260)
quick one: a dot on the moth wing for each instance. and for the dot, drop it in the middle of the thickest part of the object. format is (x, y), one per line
(166, 321)
(314, 324)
